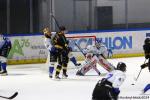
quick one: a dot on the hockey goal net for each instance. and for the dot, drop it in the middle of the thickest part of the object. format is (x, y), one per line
(78, 43)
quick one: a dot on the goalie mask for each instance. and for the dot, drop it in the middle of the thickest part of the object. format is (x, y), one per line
(98, 43)
(106, 53)
(121, 66)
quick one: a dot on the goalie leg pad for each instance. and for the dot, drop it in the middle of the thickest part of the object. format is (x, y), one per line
(96, 69)
(87, 66)
(105, 64)
(83, 70)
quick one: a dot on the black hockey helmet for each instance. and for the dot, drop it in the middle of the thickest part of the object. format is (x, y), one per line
(146, 48)
(62, 28)
(121, 66)
(147, 41)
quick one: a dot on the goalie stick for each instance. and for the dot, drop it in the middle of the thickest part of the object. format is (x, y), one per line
(11, 97)
(85, 57)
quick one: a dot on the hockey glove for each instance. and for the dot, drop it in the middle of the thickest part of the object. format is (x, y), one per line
(144, 65)
(116, 91)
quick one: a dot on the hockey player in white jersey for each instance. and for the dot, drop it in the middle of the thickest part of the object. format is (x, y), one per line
(108, 87)
(47, 42)
(5, 47)
(96, 54)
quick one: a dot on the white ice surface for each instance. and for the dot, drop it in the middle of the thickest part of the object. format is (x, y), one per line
(33, 84)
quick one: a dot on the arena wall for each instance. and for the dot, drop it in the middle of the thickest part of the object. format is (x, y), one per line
(31, 49)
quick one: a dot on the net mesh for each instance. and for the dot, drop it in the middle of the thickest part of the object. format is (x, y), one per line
(78, 43)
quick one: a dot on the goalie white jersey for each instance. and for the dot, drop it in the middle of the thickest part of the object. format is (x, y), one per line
(101, 50)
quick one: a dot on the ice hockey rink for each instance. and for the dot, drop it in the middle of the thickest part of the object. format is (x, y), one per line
(32, 83)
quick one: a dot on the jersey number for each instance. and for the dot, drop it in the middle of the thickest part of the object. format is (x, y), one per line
(109, 76)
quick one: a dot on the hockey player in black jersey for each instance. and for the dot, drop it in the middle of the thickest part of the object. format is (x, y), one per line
(146, 48)
(61, 49)
(5, 46)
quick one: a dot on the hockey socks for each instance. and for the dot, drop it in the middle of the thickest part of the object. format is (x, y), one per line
(74, 61)
(58, 69)
(147, 87)
(4, 66)
(51, 69)
(0, 67)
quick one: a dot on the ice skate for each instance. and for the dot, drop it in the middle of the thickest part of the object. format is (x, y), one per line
(64, 76)
(3, 73)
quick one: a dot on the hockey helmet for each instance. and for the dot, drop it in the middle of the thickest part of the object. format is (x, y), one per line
(62, 28)
(147, 41)
(146, 48)
(98, 43)
(121, 66)
(47, 32)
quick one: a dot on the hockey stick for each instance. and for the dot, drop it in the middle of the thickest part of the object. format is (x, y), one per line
(135, 80)
(138, 74)
(56, 22)
(79, 48)
(11, 97)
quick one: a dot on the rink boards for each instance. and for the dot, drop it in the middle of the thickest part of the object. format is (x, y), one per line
(31, 49)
